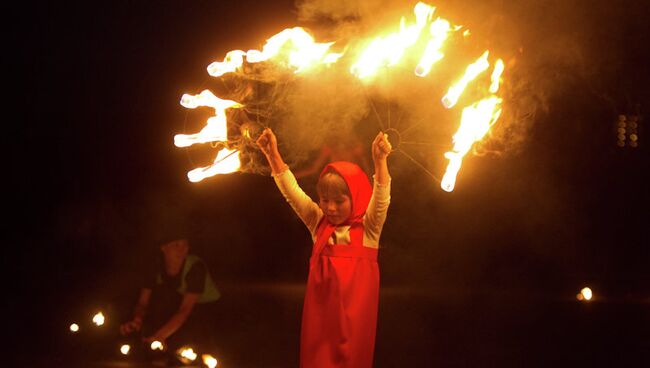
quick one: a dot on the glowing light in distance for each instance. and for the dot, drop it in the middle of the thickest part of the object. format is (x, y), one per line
(74, 327)
(585, 294)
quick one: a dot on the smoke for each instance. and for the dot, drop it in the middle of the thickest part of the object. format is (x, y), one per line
(551, 47)
(321, 108)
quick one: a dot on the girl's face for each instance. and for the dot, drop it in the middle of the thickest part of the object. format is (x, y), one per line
(337, 208)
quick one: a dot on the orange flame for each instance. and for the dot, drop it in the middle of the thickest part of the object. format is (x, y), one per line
(388, 51)
(439, 30)
(187, 353)
(233, 61)
(157, 345)
(226, 162)
(74, 328)
(209, 360)
(472, 71)
(296, 43)
(586, 294)
(125, 349)
(475, 123)
(99, 319)
(496, 76)
(216, 128)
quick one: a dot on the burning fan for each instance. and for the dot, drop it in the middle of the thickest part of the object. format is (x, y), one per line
(261, 88)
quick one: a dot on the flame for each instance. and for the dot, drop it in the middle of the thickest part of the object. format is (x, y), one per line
(156, 345)
(233, 61)
(99, 319)
(472, 71)
(124, 349)
(585, 294)
(496, 76)
(387, 51)
(209, 360)
(227, 162)
(303, 51)
(216, 129)
(439, 31)
(296, 44)
(74, 327)
(187, 353)
(475, 123)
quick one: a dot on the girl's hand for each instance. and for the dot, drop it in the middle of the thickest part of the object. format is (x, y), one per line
(381, 147)
(267, 142)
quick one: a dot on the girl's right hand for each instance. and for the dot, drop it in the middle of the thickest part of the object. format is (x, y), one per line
(267, 142)
(381, 147)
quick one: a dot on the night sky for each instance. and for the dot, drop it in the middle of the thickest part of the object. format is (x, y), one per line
(96, 179)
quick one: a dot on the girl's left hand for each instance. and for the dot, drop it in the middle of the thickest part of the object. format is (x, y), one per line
(381, 147)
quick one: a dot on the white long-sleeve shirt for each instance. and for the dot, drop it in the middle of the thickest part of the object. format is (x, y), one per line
(311, 214)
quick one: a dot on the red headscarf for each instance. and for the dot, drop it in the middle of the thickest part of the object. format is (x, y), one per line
(360, 193)
(358, 185)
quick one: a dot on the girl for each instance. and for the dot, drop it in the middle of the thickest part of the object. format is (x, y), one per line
(340, 311)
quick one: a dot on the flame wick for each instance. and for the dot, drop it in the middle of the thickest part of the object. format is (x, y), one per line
(472, 71)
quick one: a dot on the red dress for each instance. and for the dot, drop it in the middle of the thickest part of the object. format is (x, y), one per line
(340, 311)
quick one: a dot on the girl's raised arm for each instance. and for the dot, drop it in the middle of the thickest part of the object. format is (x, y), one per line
(381, 148)
(268, 143)
(305, 208)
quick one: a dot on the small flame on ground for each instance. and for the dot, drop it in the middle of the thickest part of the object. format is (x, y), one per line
(125, 349)
(585, 294)
(74, 328)
(156, 345)
(209, 360)
(472, 71)
(187, 353)
(99, 319)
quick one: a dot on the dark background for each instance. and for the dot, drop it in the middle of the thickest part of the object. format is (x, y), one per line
(484, 276)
